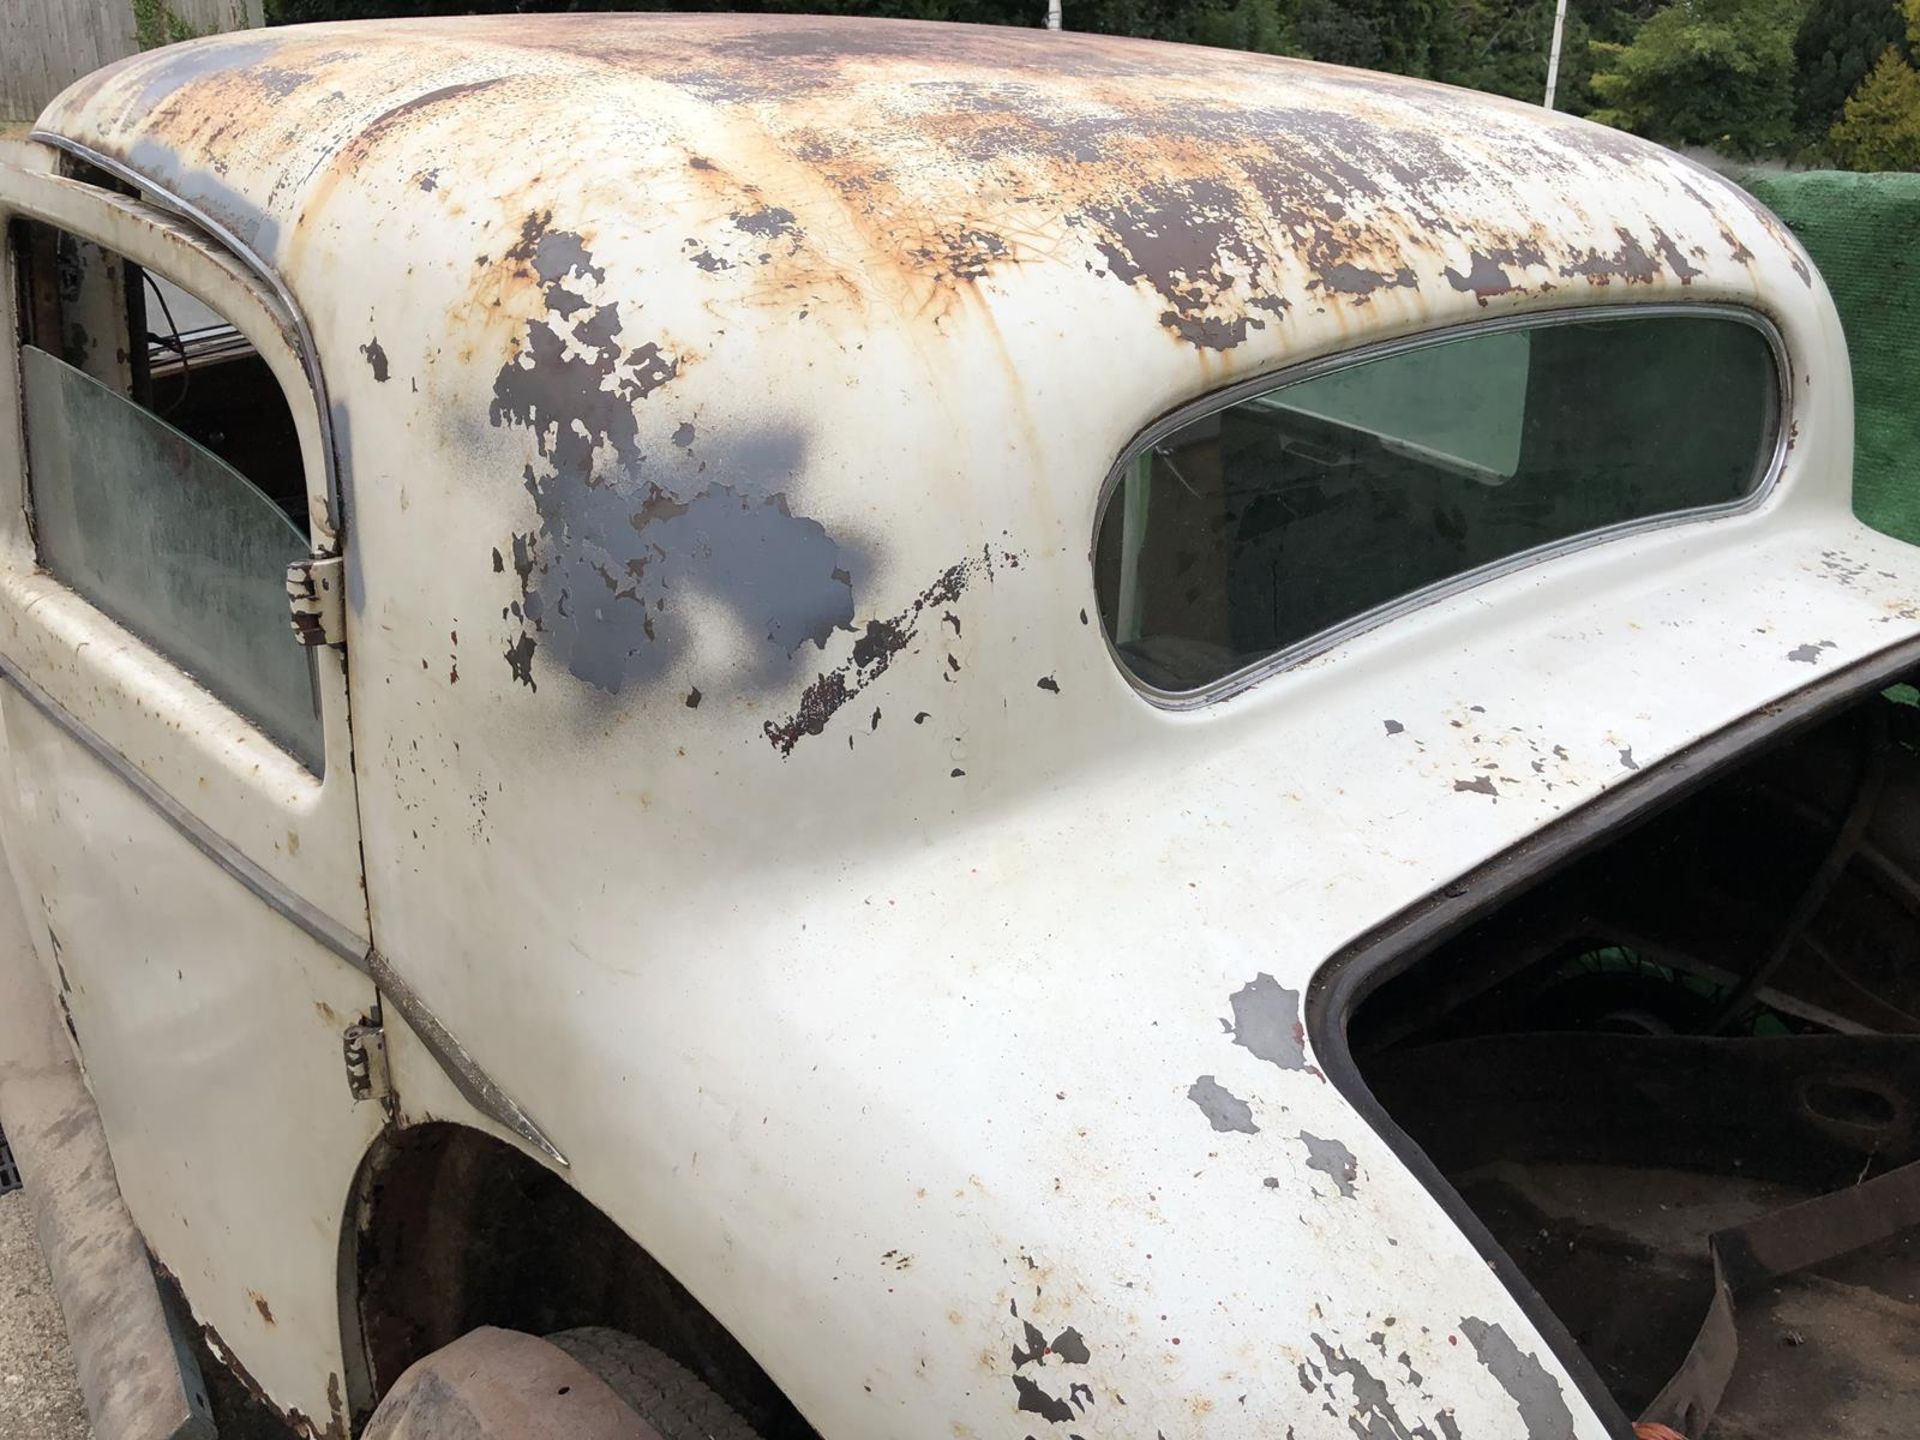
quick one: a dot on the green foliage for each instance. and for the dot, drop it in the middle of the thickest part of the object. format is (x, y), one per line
(1408, 37)
(1261, 25)
(1264, 25)
(1744, 76)
(1501, 46)
(1879, 128)
(155, 24)
(1703, 72)
(1838, 43)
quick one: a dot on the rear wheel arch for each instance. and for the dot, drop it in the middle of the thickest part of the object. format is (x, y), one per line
(452, 1229)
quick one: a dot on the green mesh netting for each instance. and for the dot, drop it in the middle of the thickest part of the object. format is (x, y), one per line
(1863, 231)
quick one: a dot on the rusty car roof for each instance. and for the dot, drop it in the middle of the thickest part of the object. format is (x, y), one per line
(854, 161)
(798, 319)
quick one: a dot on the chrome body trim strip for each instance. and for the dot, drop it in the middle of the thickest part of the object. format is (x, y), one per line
(468, 1078)
(340, 939)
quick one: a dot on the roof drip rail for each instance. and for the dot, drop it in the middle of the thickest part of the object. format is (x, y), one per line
(251, 260)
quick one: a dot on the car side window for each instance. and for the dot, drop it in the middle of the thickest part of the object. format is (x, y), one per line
(164, 475)
(1259, 530)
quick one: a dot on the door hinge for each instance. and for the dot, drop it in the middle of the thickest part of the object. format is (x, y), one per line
(365, 1049)
(316, 594)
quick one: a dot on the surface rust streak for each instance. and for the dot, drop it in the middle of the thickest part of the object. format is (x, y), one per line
(913, 164)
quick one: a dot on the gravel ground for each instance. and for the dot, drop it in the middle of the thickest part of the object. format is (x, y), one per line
(39, 1398)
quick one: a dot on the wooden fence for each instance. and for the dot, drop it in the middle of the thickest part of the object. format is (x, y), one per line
(45, 45)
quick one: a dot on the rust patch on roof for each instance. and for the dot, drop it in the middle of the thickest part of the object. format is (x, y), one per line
(853, 163)
(1484, 277)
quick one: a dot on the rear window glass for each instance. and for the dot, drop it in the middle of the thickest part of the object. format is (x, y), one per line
(1256, 529)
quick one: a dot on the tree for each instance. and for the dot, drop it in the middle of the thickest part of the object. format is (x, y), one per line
(1879, 128)
(1838, 43)
(1408, 37)
(1501, 46)
(1236, 24)
(1879, 125)
(1262, 25)
(1704, 72)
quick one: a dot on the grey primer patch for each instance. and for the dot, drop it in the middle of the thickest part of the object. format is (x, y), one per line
(1346, 278)
(1485, 277)
(1068, 1345)
(179, 69)
(376, 359)
(1071, 1349)
(1630, 263)
(1627, 762)
(1370, 1400)
(1809, 654)
(1542, 1407)
(1677, 262)
(1394, 727)
(620, 543)
(1224, 1110)
(1050, 1408)
(243, 219)
(772, 223)
(520, 661)
(1333, 1160)
(1479, 785)
(1266, 1020)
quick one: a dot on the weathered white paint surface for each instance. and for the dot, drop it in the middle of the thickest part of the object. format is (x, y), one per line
(882, 1040)
(208, 1024)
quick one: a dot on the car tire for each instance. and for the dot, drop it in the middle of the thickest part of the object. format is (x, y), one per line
(669, 1397)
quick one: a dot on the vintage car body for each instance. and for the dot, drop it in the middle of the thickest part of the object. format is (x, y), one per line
(826, 906)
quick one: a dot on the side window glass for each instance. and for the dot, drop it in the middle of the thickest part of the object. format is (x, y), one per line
(1252, 531)
(164, 476)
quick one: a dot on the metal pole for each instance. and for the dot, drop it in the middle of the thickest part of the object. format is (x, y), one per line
(1053, 14)
(1553, 55)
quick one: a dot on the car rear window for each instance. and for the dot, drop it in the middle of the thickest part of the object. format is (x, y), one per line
(1284, 519)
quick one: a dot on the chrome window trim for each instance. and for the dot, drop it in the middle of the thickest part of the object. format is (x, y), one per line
(265, 273)
(342, 940)
(1322, 641)
(466, 1074)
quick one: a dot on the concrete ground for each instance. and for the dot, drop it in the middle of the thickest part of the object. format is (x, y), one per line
(39, 1392)
(39, 1397)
